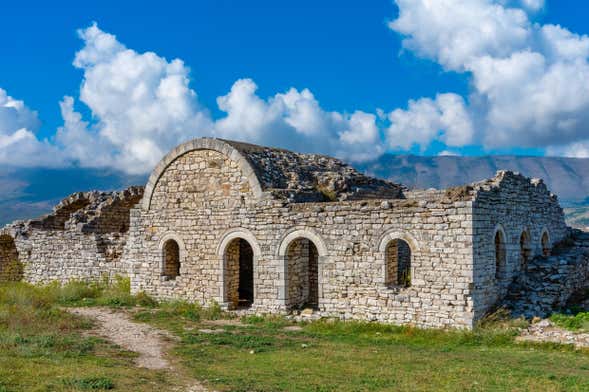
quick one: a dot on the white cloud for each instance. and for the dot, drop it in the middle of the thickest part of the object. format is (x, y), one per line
(445, 119)
(141, 102)
(533, 5)
(529, 88)
(18, 144)
(530, 83)
(295, 119)
(448, 153)
(143, 107)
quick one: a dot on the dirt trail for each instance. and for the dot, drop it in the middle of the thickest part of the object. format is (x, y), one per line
(147, 341)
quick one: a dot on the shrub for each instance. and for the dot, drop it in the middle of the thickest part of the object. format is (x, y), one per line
(579, 321)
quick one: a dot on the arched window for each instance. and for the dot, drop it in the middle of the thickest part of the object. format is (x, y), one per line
(500, 255)
(302, 260)
(398, 263)
(545, 244)
(10, 267)
(171, 257)
(239, 273)
(525, 249)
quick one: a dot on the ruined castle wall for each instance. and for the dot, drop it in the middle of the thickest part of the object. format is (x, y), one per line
(64, 255)
(83, 238)
(204, 200)
(512, 204)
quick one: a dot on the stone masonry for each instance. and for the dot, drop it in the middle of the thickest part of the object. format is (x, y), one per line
(275, 231)
(83, 238)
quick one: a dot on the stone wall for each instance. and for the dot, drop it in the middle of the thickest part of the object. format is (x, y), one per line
(311, 230)
(204, 198)
(512, 205)
(83, 238)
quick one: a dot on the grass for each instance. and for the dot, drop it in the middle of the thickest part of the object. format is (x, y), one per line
(261, 355)
(43, 348)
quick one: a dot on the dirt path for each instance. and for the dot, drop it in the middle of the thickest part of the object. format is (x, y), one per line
(147, 341)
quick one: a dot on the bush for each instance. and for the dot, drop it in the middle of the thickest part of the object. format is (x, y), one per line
(580, 321)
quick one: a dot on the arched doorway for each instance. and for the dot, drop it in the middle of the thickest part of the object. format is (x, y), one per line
(10, 267)
(239, 274)
(500, 255)
(525, 249)
(398, 263)
(302, 274)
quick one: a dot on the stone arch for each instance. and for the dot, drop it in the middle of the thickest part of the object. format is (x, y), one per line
(525, 248)
(10, 267)
(239, 253)
(301, 255)
(401, 235)
(545, 242)
(172, 255)
(195, 145)
(398, 249)
(500, 252)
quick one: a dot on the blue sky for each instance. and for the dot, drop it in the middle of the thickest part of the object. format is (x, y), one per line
(345, 52)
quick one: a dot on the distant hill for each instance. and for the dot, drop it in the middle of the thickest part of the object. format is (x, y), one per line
(567, 177)
(26, 193)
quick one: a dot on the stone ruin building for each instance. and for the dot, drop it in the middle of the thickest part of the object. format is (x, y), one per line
(274, 231)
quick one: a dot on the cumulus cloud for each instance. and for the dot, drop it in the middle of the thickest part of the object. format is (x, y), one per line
(445, 119)
(529, 88)
(19, 145)
(143, 106)
(295, 119)
(530, 81)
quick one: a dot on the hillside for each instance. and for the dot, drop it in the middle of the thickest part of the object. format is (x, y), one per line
(26, 193)
(567, 177)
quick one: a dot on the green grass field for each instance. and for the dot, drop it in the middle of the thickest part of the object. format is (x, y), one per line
(43, 348)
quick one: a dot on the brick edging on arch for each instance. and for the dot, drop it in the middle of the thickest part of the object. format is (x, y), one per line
(195, 145)
(398, 235)
(301, 232)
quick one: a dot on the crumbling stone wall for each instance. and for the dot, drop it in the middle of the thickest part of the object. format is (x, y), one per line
(311, 230)
(522, 210)
(206, 196)
(83, 238)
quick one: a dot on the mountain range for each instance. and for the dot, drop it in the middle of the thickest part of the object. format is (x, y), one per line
(26, 193)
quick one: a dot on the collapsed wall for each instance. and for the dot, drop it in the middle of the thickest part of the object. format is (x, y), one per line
(515, 219)
(550, 280)
(83, 238)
